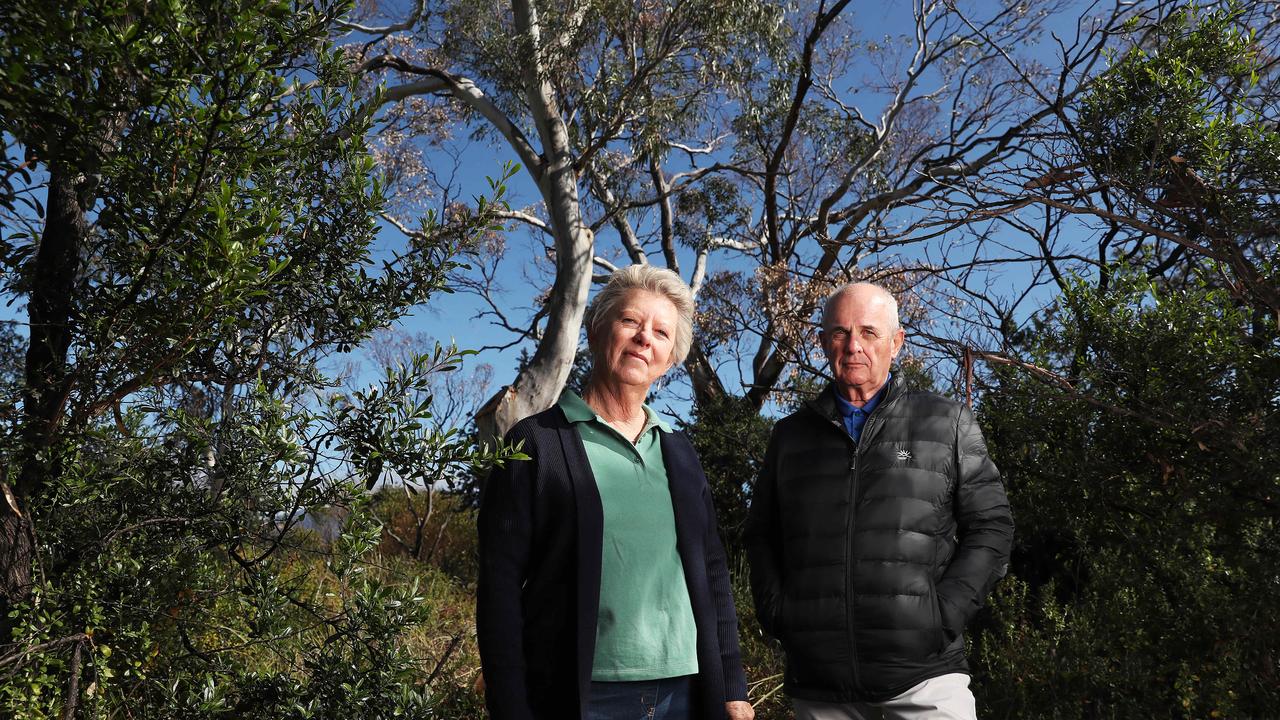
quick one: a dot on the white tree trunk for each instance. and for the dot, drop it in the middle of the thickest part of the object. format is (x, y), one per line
(538, 386)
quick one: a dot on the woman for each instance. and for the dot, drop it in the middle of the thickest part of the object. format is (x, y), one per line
(604, 592)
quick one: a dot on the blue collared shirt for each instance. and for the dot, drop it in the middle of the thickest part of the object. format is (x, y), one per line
(855, 417)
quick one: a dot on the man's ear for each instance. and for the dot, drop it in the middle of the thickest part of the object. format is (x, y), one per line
(899, 339)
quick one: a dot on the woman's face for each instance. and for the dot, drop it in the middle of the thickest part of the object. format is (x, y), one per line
(634, 346)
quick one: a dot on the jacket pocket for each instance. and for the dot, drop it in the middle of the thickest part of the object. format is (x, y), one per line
(779, 618)
(937, 626)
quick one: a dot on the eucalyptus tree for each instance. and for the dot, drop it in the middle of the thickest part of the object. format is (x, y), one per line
(767, 151)
(852, 142)
(586, 95)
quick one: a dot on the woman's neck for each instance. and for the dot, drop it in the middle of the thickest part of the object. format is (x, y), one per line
(616, 404)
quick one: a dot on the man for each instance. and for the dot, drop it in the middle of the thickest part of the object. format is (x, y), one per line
(878, 526)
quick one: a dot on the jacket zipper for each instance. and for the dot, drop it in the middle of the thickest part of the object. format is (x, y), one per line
(849, 562)
(868, 429)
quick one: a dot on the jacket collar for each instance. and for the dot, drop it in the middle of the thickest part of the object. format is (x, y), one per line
(825, 402)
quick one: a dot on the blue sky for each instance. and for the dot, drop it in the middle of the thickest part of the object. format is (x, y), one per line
(452, 317)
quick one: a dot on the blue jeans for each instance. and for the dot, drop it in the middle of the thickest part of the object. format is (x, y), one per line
(662, 699)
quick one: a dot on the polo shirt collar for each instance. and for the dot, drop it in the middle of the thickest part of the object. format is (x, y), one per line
(577, 410)
(847, 409)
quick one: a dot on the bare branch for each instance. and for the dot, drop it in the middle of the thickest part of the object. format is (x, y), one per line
(615, 213)
(803, 83)
(407, 24)
(667, 214)
(526, 218)
(20, 654)
(463, 89)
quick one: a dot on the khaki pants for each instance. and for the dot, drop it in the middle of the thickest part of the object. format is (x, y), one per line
(946, 697)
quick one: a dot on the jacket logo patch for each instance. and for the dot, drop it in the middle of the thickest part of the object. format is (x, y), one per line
(904, 455)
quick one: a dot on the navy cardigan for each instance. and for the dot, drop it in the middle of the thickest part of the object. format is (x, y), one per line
(541, 533)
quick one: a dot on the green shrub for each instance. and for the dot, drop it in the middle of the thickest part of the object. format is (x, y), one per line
(1144, 581)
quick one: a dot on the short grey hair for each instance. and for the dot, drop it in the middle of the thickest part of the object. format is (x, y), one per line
(850, 287)
(659, 281)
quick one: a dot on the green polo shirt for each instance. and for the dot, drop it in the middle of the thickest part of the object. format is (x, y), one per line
(645, 628)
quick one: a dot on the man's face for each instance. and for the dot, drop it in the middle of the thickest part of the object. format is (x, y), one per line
(861, 339)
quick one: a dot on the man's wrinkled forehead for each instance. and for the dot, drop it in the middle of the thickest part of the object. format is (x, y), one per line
(871, 306)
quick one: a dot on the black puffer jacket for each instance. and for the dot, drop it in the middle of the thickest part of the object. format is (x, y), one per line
(868, 559)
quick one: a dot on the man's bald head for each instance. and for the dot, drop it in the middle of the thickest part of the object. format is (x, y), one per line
(866, 292)
(861, 337)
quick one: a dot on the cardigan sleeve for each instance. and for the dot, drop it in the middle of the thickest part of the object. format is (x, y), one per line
(505, 527)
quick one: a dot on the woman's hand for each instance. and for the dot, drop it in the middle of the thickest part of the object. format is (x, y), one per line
(739, 710)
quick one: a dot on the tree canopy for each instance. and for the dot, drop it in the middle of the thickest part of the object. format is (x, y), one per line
(189, 212)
